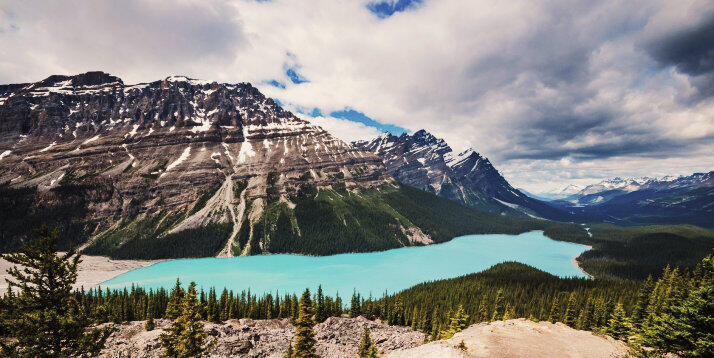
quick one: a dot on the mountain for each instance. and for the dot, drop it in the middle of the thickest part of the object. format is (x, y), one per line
(183, 168)
(684, 199)
(428, 163)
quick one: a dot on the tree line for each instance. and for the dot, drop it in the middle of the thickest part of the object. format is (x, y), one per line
(41, 312)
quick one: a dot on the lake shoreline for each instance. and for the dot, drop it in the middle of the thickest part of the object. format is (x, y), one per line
(92, 270)
(398, 268)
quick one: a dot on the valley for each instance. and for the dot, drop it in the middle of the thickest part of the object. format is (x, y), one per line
(219, 186)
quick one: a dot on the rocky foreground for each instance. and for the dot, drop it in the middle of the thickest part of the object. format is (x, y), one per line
(336, 337)
(340, 336)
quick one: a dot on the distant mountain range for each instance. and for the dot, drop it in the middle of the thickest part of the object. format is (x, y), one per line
(428, 163)
(684, 199)
(181, 167)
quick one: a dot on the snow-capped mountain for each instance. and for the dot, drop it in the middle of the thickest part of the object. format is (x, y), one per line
(423, 161)
(570, 190)
(618, 183)
(167, 156)
(683, 199)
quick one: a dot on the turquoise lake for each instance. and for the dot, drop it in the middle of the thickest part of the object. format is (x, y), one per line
(368, 273)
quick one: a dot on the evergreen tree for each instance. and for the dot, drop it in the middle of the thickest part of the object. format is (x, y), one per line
(304, 346)
(320, 309)
(687, 327)
(498, 306)
(554, 314)
(618, 326)
(150, 324)
(366, 348)
(640, 311)
(173, 306)
(186, 334)
(355, 309)
(456, 323)
(571, 311)
(44, 317)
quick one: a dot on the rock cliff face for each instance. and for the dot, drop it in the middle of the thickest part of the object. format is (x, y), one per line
(428, 163)
(111, 161)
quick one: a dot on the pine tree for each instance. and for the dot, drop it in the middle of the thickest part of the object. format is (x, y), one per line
(150, 324)
(571, 311)
(497, 306)
(294, 310)
(304, 346)
(320, 310)
(355, 309)
(457, 322)
(44, 317)
(687, 327)
(640, 311)
(553, 316)
(173, 306)
(618, 326)
(186, 334)
(366, 348)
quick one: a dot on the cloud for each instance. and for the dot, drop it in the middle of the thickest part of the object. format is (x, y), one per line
(346, 130)
(147, 39)
(607, 87)
(691, 51)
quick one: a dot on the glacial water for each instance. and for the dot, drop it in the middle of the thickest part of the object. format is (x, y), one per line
(368, 273)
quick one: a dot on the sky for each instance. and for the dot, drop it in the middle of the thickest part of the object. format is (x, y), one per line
(552, 92)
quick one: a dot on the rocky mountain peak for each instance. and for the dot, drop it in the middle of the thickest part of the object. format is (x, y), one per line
(156, 148)
(429, 163)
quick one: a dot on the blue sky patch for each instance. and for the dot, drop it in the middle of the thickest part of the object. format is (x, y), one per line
(276, 83)
(294, 76)
(355, 116)
(387, 8)
(316, 112)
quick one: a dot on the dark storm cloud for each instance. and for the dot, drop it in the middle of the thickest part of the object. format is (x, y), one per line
(690, 51)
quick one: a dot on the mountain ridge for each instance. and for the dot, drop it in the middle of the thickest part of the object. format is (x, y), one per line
(429, 163)
(685, 199)
(187, 168)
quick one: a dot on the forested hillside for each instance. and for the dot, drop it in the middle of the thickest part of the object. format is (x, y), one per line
(634, 252)
(323, 221)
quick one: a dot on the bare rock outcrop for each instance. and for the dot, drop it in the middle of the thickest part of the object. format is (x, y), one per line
(336, 337)
(519, 338)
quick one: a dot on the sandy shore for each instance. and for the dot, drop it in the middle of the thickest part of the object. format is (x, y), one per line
(575, 262)
(93, 270)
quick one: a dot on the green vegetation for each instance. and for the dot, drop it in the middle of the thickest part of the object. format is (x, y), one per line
(203, 197)
(670, 314)
(147, 238)
(304, 345)
(332, 220)
(238, 187)
(44, 317)
(366, 348)
(63, 207)
(634, 252)
(329, 221)
(201, 241)
(185, 335)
